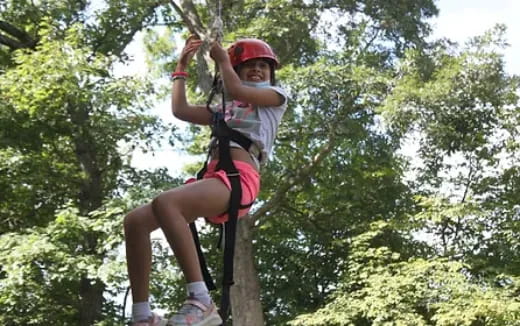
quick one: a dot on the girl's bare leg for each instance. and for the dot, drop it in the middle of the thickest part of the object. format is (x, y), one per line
(172, 211)
(178, 207)
(138, 225)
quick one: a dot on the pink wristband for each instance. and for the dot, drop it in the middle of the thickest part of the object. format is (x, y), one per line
(180, 73)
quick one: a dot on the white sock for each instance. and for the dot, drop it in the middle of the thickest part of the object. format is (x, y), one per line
(141, 311)
(199, 292)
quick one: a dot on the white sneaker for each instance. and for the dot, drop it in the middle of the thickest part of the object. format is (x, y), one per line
(195, 313)
(155, 320)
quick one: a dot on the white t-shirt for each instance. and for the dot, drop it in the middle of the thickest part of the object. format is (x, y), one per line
(260, 124)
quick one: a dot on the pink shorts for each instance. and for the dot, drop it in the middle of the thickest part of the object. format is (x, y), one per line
(249, 180)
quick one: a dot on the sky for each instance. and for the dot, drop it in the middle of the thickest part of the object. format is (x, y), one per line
(461, 19)
(458, 20)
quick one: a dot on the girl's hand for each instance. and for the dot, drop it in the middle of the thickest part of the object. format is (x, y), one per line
(190, 48)
(218, 53)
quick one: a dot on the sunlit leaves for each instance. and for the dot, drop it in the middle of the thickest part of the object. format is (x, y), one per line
(68, 126)
(457, 104)
(42, 267)
(382, 289)
(62, 102)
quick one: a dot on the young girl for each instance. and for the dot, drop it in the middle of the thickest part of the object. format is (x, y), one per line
(247, 70)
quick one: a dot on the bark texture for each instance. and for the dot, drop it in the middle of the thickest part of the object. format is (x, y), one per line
(245, 294)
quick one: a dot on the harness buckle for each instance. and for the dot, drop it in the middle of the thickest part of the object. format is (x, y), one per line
(218, 116)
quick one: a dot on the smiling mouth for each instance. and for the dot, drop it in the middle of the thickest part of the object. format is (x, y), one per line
(255, 78)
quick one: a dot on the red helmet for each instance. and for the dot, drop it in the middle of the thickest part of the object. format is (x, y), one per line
(246, 49)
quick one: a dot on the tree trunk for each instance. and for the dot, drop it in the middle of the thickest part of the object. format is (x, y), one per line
(245, 294)
(91, 293)
(90, 198)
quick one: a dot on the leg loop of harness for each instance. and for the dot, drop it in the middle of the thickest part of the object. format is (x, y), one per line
(225, 163)
(229, 247)
(202, 261)
(229, 229)
(224, 135)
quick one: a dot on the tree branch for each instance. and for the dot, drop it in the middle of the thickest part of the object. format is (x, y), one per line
(10, 42)
(468, 182)
(308, 169)
(191, 18)
(24, 40)
(300, 176)
(12, 30)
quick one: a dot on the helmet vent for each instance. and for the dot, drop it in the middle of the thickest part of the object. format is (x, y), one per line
(238, 52)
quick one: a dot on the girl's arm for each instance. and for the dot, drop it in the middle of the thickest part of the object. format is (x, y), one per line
(181, 109)
(235, 88)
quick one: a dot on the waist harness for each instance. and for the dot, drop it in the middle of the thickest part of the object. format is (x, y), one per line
(224, 134)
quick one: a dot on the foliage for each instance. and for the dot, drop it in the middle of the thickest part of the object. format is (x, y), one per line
(43, 268)
(68, 129)
(459, 105)
(356, 183)
(383, 289)
(109, 25)
(464, 114)
(341, 209)
(63, 119)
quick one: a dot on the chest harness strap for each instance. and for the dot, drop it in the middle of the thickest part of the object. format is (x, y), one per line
(224, 134)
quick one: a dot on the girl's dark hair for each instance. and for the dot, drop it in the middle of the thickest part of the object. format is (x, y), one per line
(271, 66)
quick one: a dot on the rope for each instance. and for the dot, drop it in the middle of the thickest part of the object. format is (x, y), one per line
(214, 33)
(217, 32)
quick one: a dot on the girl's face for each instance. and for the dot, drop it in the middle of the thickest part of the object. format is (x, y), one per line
(255, 70)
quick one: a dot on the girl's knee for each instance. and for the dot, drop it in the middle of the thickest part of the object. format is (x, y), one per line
(161, 204)
(166, 205)
(139, 220)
